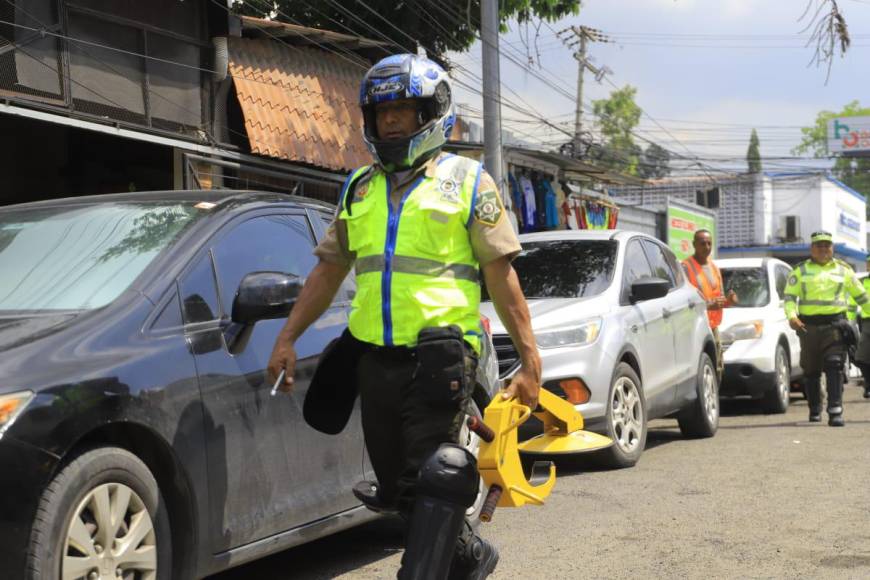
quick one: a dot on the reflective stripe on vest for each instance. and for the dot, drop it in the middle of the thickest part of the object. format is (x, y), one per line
(822, 289)
(415, 266)
(699, 280)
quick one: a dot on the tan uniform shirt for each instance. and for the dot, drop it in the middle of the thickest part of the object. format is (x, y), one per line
(491, 235)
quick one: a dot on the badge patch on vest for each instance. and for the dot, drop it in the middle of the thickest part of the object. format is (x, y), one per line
(361, 191)
(488, 209)
(792, 280)
(449, 191)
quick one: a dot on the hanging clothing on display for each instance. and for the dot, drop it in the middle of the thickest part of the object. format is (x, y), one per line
(519, 202)
(590, 214)
(540, 202)
(560, 200)
(569, 215)
(551, 212)
(529, 206)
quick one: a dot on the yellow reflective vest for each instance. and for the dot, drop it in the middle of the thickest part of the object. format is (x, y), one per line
(415, 267)
(815, 289)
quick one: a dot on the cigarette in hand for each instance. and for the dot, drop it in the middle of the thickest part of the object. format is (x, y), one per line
(277, 383)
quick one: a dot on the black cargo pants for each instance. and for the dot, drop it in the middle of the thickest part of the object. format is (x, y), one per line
(401, 426)
(821, 342)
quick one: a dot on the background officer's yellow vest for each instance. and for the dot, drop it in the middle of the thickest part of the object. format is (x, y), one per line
(414, 264)
(818, 289)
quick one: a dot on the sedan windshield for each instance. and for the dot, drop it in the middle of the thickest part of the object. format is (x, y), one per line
(566, 268)
(81, 257)
(750, 285)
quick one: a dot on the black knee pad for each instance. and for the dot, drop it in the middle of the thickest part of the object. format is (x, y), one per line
(447, 486)
(834, 363)
(450, 474)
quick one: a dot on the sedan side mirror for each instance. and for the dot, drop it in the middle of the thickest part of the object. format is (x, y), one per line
(265, 296)
(648, 289)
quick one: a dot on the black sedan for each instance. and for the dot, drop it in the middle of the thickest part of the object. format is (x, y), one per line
(138, 436)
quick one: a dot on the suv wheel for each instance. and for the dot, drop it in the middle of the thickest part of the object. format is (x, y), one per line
(625, 419)
(776, 399)
(701, 417)
(102, 516)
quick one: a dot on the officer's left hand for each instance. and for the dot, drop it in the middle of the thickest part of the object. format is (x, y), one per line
(524, 385)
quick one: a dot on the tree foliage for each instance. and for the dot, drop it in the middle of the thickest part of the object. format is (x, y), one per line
(655, 163)
(616, 117)
(853, 171)
(438, 25)
(753, 153)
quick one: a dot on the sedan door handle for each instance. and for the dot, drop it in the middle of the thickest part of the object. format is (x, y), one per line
(666, 313)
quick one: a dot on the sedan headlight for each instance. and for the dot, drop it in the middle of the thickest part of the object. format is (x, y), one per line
(11, 406)
(580, 335)
(743, 331)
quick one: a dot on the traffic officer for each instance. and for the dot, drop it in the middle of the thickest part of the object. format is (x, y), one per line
(815, 305)
(862, 357)
(421, 228)
(704, 275)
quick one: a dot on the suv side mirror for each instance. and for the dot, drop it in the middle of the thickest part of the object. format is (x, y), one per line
(648, 289)
(264, 296)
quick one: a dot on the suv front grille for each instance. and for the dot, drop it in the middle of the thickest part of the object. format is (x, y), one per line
(506, 354)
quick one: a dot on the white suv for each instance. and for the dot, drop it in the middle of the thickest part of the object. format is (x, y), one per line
(622, 334)
(761, 351)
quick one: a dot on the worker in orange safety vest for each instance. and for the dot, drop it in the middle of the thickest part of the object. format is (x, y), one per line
(706, 277)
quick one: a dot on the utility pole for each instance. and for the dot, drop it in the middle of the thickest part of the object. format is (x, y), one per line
(582, 35)
(580, 55)
(492, 153)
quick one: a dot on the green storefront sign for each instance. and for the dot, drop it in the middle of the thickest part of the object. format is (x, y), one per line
(682, 225)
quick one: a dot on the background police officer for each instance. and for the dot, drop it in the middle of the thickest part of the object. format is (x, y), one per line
(420, 227)
(815, 305)
(862, 358)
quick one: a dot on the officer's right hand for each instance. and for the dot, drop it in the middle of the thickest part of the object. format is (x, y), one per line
(797, 324)
(283, 358)
(525, 385)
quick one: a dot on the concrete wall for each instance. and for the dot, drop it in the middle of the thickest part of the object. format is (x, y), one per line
(798, 196)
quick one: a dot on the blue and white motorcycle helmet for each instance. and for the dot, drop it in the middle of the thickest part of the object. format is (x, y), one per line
(408, 76)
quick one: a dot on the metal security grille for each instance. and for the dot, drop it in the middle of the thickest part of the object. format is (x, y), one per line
(109, 60)
(203, 173)
(30, 61)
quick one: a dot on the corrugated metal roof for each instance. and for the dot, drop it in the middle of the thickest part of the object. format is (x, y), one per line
(299, 103)
(305, 34)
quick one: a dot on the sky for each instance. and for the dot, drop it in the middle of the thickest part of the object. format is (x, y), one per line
(706, 73)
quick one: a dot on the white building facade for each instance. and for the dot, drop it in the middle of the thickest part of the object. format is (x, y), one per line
(771, 214)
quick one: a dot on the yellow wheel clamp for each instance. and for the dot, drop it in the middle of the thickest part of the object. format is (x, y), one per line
(499, 456)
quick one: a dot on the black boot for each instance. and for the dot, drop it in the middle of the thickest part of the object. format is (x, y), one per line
(475, 558)
(368, 493)
(813, 390)
(835, 397)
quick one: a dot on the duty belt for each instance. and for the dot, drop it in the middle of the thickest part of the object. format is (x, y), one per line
(822, 319)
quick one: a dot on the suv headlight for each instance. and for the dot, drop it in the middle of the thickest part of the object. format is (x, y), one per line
(580, 335)
(743, 331)
(11, 406)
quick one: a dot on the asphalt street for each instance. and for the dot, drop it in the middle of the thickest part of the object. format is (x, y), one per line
(770, 496)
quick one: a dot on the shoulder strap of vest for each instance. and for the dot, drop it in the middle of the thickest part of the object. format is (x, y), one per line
(355, 176)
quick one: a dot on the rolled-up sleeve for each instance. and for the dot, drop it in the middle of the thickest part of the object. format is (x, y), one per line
(333, 247)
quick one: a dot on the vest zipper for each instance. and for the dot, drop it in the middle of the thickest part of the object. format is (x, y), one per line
(389, 252)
